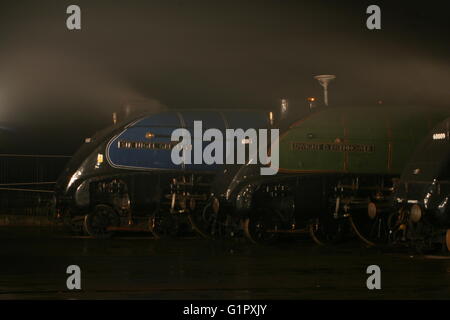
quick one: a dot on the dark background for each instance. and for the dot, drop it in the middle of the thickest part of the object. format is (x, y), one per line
(59, 86)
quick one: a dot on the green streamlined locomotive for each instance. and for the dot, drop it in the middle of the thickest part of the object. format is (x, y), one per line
(337, 165)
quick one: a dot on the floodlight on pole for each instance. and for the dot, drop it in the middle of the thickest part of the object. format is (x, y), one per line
(324, 79)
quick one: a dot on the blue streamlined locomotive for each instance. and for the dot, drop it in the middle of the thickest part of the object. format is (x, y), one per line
(422, 217)
(124, 178)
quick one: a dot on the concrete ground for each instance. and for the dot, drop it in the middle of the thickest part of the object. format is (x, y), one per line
(33, 263)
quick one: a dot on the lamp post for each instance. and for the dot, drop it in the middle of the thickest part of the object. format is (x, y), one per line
(324, 79)
(311, 101)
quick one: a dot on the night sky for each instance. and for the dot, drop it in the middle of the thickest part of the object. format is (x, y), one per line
(59, 86)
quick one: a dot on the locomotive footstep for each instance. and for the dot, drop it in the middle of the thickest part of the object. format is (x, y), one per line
(204, 222)
(372, 231)
(195, 226)
(211, 222)
(327, 231)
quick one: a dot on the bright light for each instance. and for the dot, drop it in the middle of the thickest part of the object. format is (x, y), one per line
(439, 136)
(99, 160)
(74, 177)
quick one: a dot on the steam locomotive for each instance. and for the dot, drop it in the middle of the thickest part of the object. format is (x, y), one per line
(123, 177)
(338, 170)
(422, 215)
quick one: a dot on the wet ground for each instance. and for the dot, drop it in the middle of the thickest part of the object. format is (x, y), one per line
(33, 265)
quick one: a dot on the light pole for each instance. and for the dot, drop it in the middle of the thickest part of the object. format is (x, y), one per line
(324, 79)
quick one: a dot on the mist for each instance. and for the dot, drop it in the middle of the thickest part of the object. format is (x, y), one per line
(179, 54)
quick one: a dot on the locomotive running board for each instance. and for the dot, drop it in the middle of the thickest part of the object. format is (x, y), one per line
(134, 229)
(295, 231)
